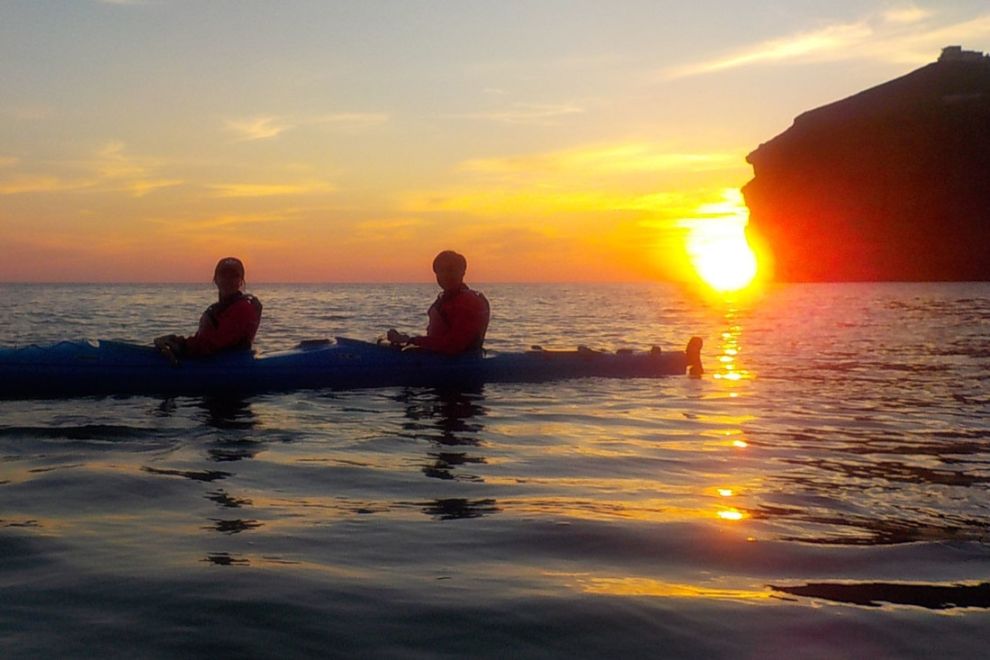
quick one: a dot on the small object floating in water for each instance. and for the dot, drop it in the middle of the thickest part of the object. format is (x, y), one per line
(82, 368)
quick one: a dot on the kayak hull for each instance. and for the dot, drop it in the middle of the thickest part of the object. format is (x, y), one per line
(112, 368)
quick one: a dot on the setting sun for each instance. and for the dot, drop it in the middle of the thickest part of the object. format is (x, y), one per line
(717, 245)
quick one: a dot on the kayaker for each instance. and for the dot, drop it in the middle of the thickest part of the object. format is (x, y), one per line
(459, 316)
(228, 324)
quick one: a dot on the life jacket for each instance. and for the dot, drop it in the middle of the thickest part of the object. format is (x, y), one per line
(440, 310)
(216, 333)
(213, 312)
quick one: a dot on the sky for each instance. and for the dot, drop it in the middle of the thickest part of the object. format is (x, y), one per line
(142, 140)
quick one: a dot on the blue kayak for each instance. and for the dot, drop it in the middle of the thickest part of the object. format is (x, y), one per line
(80, 368)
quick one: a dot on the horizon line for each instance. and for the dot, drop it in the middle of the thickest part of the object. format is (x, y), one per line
(327, 282)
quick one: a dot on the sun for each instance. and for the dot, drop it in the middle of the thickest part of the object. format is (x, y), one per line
(717, 245)
(722, 257)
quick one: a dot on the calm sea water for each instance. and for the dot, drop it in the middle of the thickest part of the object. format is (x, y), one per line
(821, 492)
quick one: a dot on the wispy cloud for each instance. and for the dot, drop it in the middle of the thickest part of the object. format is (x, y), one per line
(598, 160)
(222, 221)
(119, 170)
(909, 34)
(257, 128)
(267, 127)
(351, 120)
(270, 189)
(390, 229)
(39, 184)
(110, 169)
(142, 187)
(112, 163)
(523, 113)
(907, 15)
(594, 179)
(824, 43)
(492, 202)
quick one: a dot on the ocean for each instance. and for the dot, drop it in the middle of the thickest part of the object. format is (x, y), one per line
(821, 492)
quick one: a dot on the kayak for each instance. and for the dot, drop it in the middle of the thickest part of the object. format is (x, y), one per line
(82, 368)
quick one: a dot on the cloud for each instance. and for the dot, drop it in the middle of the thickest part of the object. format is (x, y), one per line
(523, 113)
(598, 160)
(488, 202)
(222, 221)
(257, 128)
(536, 201)
(518, 243)
(119, 170)
(617, 179)
(39, 184)
(142, 187)
(267, 127)
(112, 163)
(907, 15)
(826, 42)
(401, 228)
(270, 189)
(351, 120)
(905, 35)
(110, 169)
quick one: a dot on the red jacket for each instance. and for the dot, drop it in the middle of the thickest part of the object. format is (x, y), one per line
(458, 322)
(228, 324)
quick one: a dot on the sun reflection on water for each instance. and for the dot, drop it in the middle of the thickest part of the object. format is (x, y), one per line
(730, 348)
(643, 586)
(731, 376)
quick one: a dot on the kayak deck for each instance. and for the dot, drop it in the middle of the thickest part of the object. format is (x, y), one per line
(82, 368)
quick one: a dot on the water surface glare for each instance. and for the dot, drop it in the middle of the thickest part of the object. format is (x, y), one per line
(821, 492)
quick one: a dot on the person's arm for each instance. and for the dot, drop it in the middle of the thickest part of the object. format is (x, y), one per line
(237, 325)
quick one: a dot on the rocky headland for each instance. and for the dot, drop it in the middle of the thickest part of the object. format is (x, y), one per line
(891, 184)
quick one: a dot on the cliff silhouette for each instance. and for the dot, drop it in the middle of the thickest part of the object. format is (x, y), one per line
(890, 184)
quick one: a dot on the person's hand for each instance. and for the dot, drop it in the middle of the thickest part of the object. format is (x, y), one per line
(166, 341)
(169, 346)
(397, 337)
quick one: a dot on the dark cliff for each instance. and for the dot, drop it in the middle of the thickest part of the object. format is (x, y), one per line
(890, 184)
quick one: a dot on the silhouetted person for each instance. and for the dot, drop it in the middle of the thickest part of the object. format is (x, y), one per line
(459, 316)
(228, 324)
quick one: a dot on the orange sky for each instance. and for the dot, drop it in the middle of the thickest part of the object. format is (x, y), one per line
(351, 142)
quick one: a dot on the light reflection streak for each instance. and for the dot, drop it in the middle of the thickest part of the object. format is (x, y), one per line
(640, 586)
(730, 349)
(679, 507)
(731, 373)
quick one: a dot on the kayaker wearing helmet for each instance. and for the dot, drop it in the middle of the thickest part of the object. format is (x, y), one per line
(228, 324)
(459, 316)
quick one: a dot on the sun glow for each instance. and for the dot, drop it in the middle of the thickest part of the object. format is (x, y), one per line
(717, 245)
